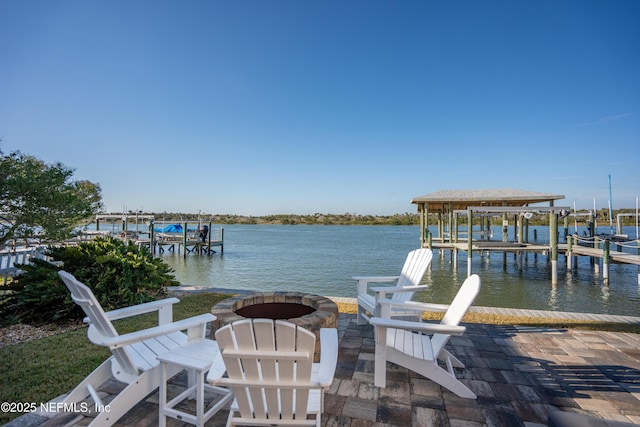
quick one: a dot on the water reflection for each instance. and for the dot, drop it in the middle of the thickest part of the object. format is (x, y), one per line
(552, 301)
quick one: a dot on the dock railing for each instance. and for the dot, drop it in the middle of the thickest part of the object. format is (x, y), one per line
(10, 259)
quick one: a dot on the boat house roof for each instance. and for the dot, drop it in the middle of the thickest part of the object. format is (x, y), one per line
(448, 200)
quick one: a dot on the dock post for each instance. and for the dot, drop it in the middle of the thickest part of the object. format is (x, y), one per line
(605, 263)
(595, 260)
(450, 222)
(454, 228)
(152, 238)
(423, 235)
(441, 228)
(505, 225)
(469, 243)
(184, 240)
(569, 247)
(520, 228)
(553, 241)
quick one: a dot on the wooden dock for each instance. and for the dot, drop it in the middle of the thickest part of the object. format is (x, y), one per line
(177, 243)
(194, 239)
(186, 236)
(617, 257)
(604, 254)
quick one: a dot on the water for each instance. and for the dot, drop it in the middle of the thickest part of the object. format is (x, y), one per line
(322, 260)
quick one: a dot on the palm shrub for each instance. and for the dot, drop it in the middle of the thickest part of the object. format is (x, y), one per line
(120, 274)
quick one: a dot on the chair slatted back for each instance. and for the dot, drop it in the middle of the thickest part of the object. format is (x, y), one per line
(269, 367)
(99, 324)
(412, 272)
(458, 308)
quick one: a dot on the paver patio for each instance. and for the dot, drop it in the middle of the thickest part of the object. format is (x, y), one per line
(518, 373)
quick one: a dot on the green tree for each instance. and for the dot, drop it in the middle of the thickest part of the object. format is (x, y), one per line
(36, 196)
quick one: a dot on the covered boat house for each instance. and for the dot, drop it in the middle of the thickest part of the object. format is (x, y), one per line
(453, 210)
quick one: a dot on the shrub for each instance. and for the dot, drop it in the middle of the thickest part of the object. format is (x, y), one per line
(120, 275)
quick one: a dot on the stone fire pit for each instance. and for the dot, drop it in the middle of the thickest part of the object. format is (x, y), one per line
(310, 311)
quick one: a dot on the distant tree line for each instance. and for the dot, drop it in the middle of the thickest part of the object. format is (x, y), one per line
(602, 215)
(292, 219)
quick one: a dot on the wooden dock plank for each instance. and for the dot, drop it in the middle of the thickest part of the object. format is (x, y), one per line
(615, 256)
(576, 250)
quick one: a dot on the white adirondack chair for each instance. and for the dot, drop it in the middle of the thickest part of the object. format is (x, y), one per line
(133, 355)
(271, 372)
(406, 284)
(408, 344)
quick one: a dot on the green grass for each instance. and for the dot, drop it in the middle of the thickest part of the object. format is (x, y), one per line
(40, 370)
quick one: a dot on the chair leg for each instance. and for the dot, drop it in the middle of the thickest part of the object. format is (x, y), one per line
(380, 360)
(127, 399)
(162, 395)
(230, 422)
(440, 376)
(362, 318)
(455, 362)
(101, 374)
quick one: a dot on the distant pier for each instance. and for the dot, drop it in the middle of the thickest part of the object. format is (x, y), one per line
(174, 236)
(190, 237)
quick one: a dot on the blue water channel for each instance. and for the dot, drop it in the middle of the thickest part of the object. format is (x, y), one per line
(322, 260)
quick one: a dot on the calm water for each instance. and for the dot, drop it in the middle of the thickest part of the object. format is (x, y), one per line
(322, 260)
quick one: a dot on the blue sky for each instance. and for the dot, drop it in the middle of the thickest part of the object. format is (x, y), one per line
(264, 107)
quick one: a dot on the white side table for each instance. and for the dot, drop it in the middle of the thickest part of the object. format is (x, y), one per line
(197, 359)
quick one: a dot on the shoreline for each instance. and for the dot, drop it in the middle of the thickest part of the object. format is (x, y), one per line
(22, 333)
(348, 305)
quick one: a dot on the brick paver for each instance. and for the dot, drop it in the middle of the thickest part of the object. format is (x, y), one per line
(518, 373)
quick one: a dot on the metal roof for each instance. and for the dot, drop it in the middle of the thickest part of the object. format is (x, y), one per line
(446, 200)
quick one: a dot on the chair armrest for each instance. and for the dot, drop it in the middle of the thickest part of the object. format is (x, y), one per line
(328, 356)
(413, 305)
(368, 279)
(429, 328)
(363, 282)
(217, 370)
(391, 289)
(133, 337)
(136, 310)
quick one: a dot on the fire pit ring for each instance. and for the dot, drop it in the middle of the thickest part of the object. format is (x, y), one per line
(309, 311)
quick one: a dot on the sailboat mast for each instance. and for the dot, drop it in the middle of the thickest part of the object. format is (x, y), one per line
(637, 224)
(610, 208)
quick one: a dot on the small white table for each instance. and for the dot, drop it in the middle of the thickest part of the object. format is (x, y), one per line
(197, 358)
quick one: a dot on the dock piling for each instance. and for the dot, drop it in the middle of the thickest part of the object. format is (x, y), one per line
(605, 263)
(469, 241)
(553, 242)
